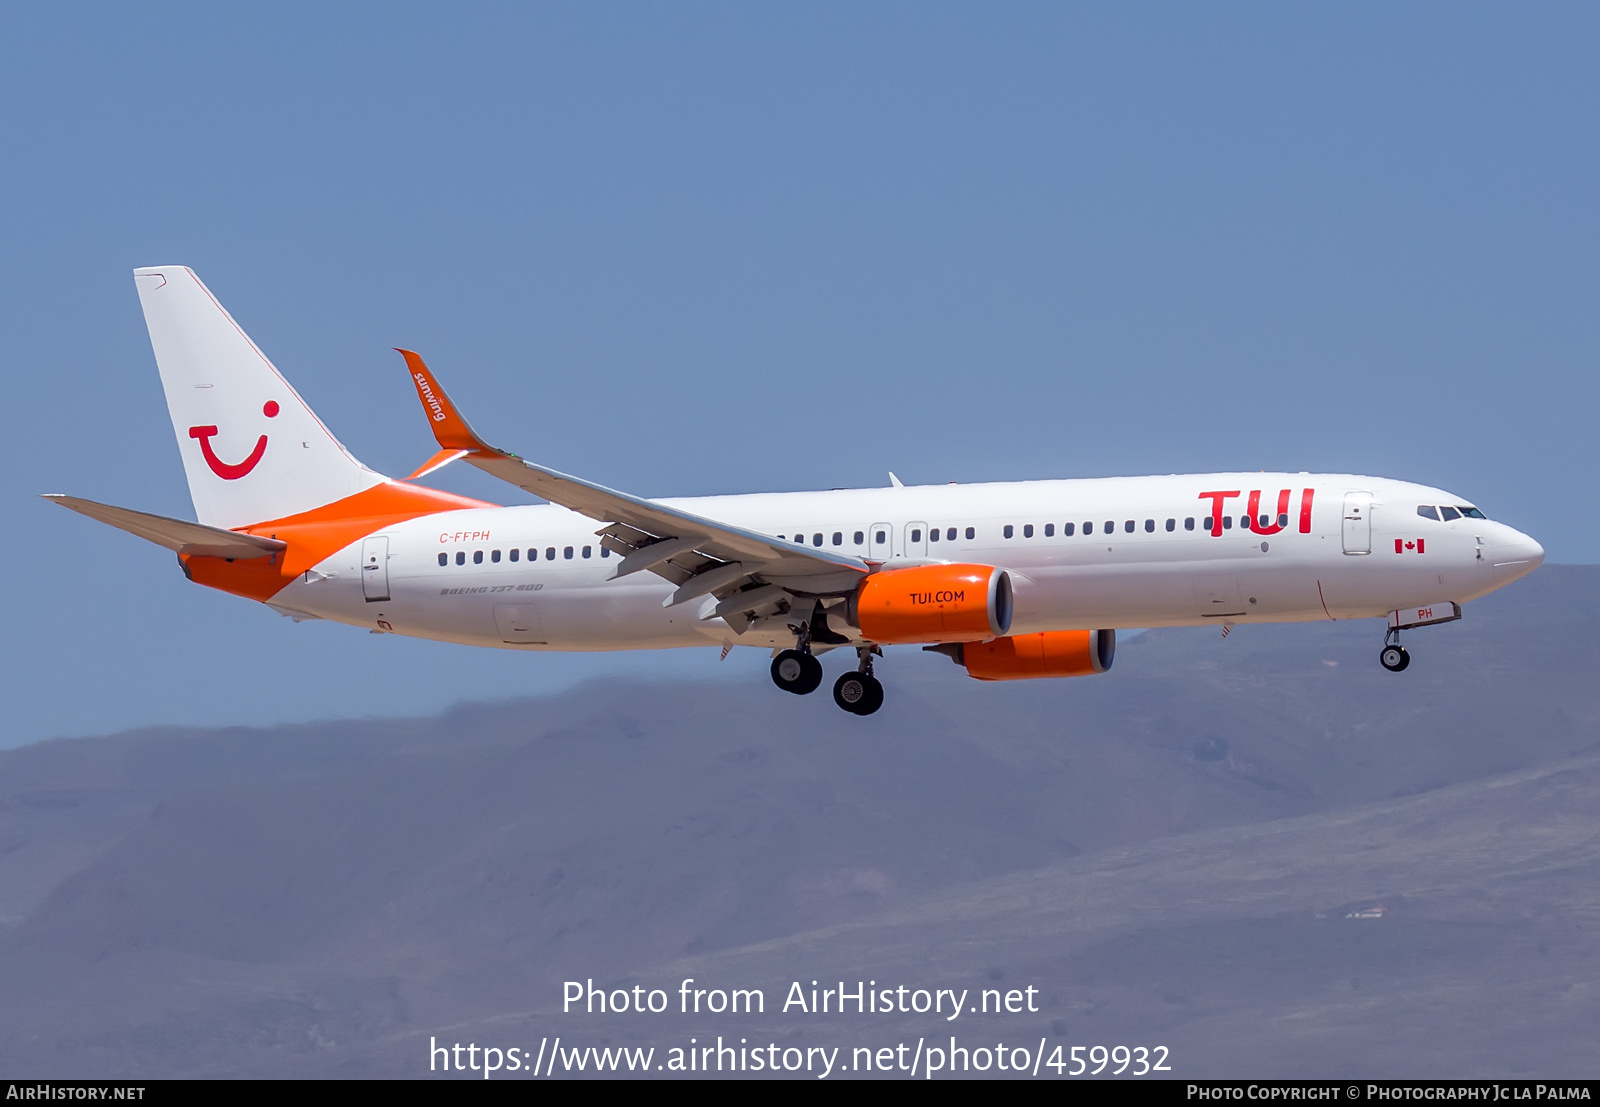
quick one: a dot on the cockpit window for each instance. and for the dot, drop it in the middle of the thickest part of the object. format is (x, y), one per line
(1428, 511)
(1449, 514)
(1470, 512)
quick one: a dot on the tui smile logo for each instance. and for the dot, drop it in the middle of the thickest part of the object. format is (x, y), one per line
(222, 468)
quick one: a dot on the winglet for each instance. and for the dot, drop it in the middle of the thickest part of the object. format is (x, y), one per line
(449, 428)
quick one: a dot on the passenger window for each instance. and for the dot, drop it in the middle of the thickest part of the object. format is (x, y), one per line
(1209, 521)
(1449, 514)
(1088, 528)
(950, 535)
(494, 556)
(477, 557)
(444, 559)
(1244, 522)
(838, 538)
(1066, 529)
(1172, 525)
(1149, 526)
(1227, 522)
(1027, 531)
(1263, 522)
(514, 554)
(971, 533)
(461, 557)
(549, 553)
(916, 535)
(1428, 511)
(1283, 520)
(880, 537)
(587, 550)
(860, 538)
(1188, 524)
(604, 552)
(816, 539)
(933, 534)
(1008, 531)
(1128, 526)
(567, 553)
(533, 553)
(1110, 527)
(800, 538)
(1049, 530)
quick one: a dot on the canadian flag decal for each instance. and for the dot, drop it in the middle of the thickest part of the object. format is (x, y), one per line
(1405, 545)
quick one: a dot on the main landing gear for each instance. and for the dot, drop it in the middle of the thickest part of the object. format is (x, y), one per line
(859, 692)
(1394, 656)
(799, 672)
(796, 670)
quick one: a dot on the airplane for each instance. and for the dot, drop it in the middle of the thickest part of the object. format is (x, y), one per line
(1012, 581)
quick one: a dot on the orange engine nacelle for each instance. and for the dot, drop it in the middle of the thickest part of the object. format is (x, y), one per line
(1055, 653)
(934, 603)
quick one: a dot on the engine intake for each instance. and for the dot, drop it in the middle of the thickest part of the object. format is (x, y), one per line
(934, 603)
(1054, 653)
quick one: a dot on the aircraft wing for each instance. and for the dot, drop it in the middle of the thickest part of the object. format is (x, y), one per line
(700, 555)
(175, 534)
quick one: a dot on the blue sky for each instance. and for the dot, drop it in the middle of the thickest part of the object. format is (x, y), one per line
(689, 249)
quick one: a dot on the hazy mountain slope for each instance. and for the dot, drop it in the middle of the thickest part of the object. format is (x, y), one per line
(312, 898)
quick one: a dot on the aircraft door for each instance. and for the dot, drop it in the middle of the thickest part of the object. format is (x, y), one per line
(916, 544)
(880, 545)
(375, 568)
(1358, 522)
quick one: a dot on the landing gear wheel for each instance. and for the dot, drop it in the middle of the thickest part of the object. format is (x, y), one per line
(858, 693)
(1394, 658)
(796, 672)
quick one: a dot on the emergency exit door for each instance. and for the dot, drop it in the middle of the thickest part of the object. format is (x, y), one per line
(880, 544)
(375, 568)
(916, 541)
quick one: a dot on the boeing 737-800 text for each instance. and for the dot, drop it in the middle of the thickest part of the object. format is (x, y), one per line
(1011, 580)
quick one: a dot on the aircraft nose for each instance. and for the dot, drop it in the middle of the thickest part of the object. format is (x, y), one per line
(1515, 555)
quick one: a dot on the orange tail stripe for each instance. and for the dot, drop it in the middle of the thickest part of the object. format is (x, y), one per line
(315, 535)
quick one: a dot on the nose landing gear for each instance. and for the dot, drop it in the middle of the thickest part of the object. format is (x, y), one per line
(859, 692)
(1393, 656)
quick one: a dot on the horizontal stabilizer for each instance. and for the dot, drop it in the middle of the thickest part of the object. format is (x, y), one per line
(176, 534)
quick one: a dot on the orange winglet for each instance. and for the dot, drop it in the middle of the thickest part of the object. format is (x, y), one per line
(449, 428)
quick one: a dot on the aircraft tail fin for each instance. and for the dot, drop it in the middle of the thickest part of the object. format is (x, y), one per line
(252, 449)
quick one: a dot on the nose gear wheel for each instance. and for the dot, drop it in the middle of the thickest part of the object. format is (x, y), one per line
(1393, 656)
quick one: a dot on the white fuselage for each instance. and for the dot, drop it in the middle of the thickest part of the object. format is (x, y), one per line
(1083, 554)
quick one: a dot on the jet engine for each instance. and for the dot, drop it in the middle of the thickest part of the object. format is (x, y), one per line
(934, 603)
(1054, 653)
